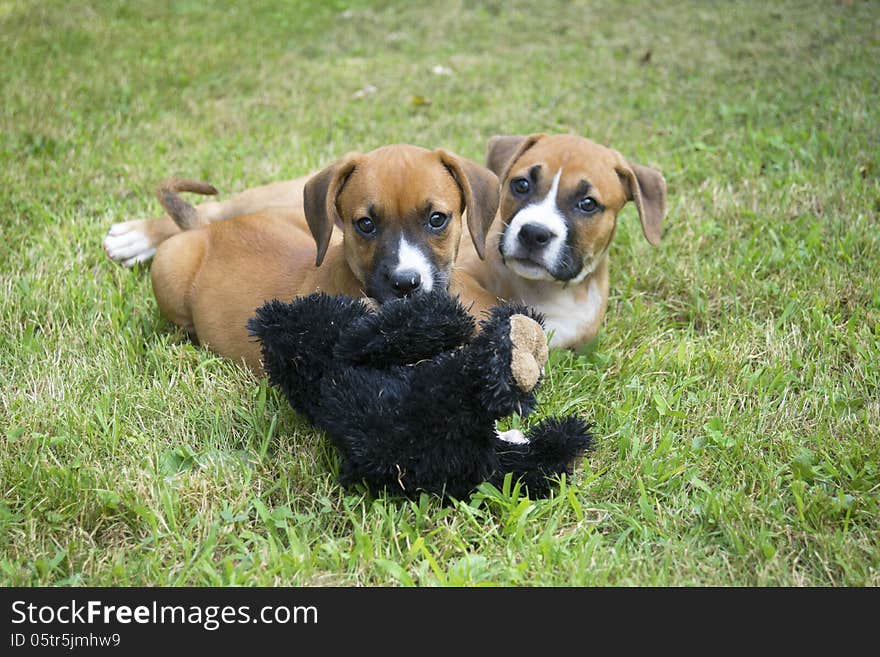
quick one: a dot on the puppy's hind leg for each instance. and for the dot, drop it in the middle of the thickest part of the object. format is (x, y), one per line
(131, 242)
(174, 269)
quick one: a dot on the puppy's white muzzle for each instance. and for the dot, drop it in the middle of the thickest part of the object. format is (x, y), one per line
(533, 243)
(411, 259)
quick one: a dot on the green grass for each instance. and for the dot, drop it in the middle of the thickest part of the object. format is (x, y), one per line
(735, 386)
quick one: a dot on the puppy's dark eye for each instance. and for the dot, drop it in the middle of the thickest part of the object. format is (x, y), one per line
(365, 225)
(520, 186)
(438, 220)
(588, 205)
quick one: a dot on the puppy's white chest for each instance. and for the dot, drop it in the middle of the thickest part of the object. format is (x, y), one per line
(567, 316)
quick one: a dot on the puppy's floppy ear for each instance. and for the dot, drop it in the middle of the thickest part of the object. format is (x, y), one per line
(646, 187)
(319, 201)
(479, 191)
(504, 150)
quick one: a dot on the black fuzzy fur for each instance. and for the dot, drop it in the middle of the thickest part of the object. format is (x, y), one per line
(409, 395)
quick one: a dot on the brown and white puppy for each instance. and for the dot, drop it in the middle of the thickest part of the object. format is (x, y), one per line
(548, 248)
(386, 224)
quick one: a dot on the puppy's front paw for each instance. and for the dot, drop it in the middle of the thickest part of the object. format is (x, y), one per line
(529, 352)
(128, 243)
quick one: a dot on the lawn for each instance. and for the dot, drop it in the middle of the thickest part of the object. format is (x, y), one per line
(735, 386)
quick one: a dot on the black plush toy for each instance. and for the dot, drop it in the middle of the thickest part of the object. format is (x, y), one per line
(409, 393)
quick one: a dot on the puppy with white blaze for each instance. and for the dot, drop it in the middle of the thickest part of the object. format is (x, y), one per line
(548, 246)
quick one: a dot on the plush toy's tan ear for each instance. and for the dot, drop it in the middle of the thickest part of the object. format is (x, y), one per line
(319, 201)
(504, 150)
(479, 191)
(646, 187)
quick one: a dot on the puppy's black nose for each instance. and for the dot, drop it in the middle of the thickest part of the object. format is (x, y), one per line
(405, 282)
(535, 236)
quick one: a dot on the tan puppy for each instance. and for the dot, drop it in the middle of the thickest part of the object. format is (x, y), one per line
(548, 247)
(398, 213)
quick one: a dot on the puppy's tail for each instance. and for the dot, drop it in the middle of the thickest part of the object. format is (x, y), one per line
(185, 215)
